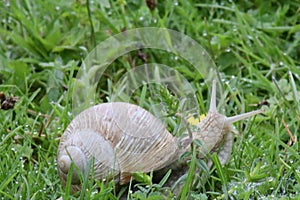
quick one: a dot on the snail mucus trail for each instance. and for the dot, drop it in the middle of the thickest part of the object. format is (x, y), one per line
(123, 138)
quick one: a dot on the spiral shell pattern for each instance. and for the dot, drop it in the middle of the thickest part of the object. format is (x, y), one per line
(119, 139)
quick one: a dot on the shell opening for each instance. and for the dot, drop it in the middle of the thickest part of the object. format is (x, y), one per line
(75, 155)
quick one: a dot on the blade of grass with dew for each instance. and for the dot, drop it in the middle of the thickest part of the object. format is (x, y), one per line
(190, 177)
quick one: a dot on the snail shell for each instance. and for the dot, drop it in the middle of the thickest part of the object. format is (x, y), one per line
(121, 138)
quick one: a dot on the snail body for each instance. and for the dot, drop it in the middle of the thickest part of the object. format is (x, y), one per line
(121, 138)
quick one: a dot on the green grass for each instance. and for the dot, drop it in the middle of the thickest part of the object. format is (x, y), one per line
(255, 45)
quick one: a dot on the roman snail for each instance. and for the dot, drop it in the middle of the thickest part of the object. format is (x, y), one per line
(122, 138)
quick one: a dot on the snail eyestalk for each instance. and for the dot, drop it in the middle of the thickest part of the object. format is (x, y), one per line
(231, 120)
(213, 99)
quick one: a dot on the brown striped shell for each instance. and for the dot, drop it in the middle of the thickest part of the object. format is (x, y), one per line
(121, 138)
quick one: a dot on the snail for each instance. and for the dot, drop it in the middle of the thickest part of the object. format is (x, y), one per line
(121, 138)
